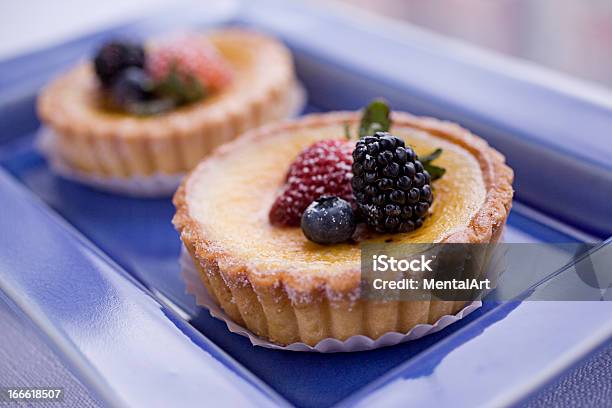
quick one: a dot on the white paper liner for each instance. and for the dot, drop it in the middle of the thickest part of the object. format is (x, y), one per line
(154, 186)
(196, 288)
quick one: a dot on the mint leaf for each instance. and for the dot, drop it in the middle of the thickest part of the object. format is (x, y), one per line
(434, 171)
(376, 118)
(183, 89)
(431, 156)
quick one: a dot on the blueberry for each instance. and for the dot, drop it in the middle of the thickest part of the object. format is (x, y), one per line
(116, 56)
(328, 220)
(132, 86)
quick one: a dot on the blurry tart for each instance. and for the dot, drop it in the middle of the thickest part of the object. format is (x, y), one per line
(288, 289)
(97, 141)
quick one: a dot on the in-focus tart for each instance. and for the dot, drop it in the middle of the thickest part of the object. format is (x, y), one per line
(286, 288)
(100, 141)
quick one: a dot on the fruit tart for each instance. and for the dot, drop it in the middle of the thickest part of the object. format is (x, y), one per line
(138, 110)
(274, 221)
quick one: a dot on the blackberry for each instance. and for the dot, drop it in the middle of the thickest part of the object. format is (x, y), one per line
(116, 56)
(391, 187)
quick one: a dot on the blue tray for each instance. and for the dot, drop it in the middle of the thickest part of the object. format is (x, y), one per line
(98, 274)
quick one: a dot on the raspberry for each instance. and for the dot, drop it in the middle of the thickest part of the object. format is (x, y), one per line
(392, 188)
(190, 58)
(324, 168)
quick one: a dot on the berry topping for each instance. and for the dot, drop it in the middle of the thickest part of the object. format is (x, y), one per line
(134, 92)
(391, 186)
(328, 220)
(131, 86)
(187, 68)
(116, 56)
(321, 169)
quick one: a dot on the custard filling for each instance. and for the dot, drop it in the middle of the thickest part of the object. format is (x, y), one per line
(231, 200)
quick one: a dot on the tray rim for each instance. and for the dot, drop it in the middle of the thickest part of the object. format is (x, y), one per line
(65, 345)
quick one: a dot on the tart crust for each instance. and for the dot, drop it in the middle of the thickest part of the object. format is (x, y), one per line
(120, 145)
(286, 305)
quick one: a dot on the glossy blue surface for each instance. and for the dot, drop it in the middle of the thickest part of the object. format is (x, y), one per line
(140, 243)
(122, 343)
(515, 337)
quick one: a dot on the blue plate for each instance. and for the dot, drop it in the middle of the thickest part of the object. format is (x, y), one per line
(98, 274)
